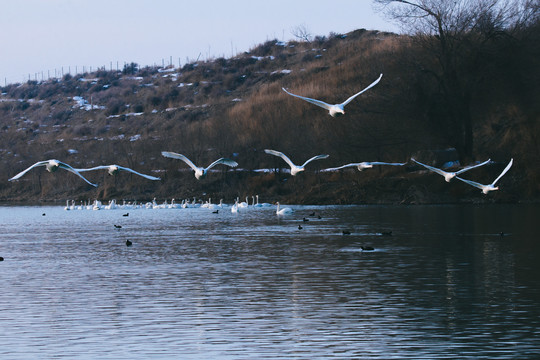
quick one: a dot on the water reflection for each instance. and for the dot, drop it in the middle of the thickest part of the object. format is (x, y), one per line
(194, 284)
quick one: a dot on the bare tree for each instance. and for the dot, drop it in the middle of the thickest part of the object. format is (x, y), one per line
(302, 33)
(455, 34)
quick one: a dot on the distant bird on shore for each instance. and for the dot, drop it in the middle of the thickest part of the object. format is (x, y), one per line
(490, 187)
(200, 172)
(363, 165)
(334, 109)
(115, 169)
(294, 168)
(52, 166)
(450, 175)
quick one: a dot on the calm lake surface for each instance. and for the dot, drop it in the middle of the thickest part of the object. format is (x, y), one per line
(251, 285)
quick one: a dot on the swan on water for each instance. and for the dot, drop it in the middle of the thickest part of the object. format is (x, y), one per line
(200, 172)
(450, 175)
(234, 208)
(52, 166)
(294, 168)
(243, 204)
(364, 165)
(334, 109)
(490, 187)
(115, 169)
(283, 211)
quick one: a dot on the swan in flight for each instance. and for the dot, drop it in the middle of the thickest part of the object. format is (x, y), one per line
(200, 172)
(490, 187)
(51, 166)
(450, 175)
(294, 168)
(283, 211)
(114, 169)
(363, 165)
(334, 109)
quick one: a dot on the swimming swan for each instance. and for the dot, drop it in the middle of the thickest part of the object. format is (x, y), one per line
(51, 166)
(334, 109)
(200, 172)
(490, 187)
(283, 211)
(114, 169)
(450, 175)
(363, 165)
(294, 168)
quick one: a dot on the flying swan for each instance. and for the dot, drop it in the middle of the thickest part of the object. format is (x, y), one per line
(114, 169)
(450, 175)
(200, 172)
(51, 166)
(363, 165)
(294, 168)
(491, 187)
(334, 109)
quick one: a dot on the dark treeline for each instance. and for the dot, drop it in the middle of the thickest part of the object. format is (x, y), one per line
(235, 108)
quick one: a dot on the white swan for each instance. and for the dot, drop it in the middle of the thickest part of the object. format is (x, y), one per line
(294, 168)
(200, 172)
(243, 204)
(450, 175)
(51, 166)
(255, 204)
(283, 211)
(234, 208)
(490, 187)
(114, 169)
(334, 109)
(363, 165)
(111, 206)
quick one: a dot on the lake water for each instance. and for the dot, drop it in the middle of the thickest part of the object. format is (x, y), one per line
(199, 285)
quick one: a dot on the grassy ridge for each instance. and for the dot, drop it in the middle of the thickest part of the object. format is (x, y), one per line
(235, 108)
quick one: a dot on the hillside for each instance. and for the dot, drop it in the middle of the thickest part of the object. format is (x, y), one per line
(235, 108)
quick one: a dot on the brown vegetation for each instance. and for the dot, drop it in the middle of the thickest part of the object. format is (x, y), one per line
(235, 108)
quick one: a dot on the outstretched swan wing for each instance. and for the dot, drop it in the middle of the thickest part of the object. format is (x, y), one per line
(315, 158)
(281, 155)
(434, 169)
(224, 161)
(504, 171)
(313, 101)
(70, 169)
(472, 183)
(342, 167)
(174, 155)
(138, 173)
(472, 167)
(39, 163)
(385, 163)
(358, 93)
(93, 168)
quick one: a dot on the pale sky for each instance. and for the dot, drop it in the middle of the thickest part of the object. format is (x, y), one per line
(41, 36)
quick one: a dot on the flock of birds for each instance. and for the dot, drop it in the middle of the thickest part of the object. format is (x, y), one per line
(201, 172)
